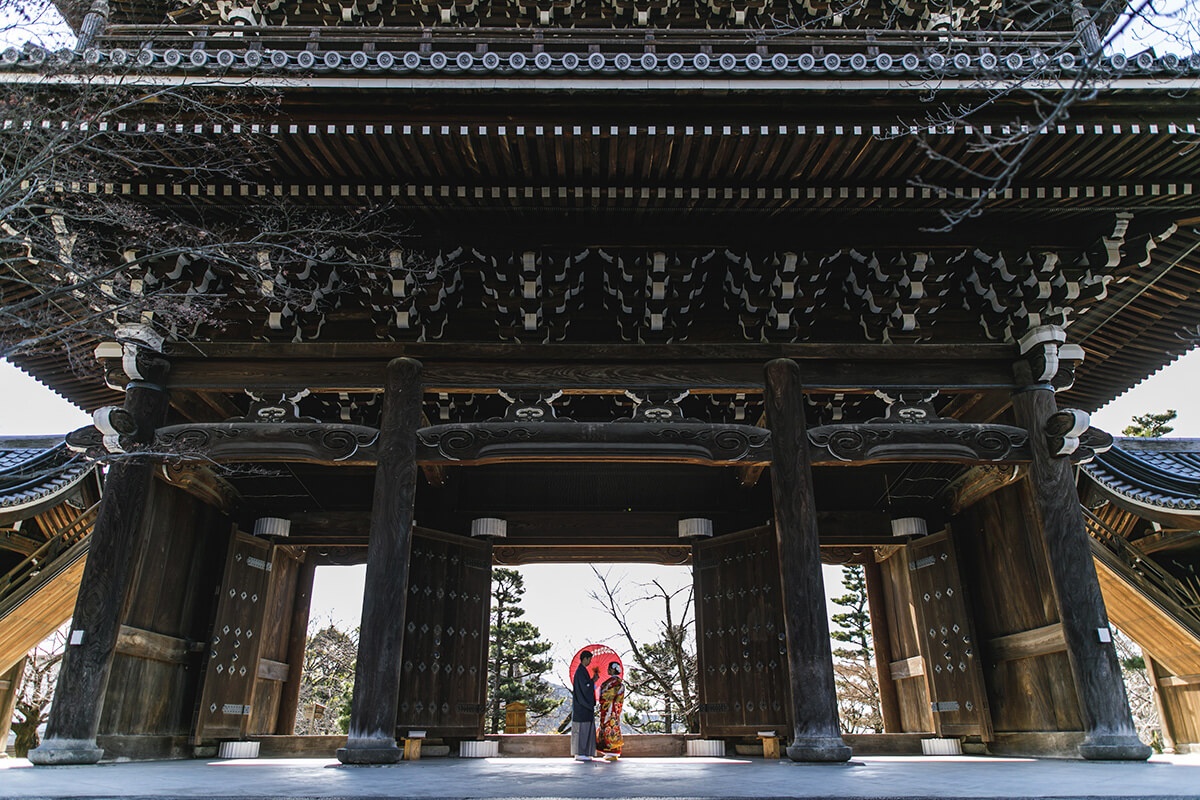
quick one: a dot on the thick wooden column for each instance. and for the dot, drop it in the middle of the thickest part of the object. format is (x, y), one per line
(372, 737)
(79, 694)
(817, 736)
(10, 686)
(889, 702)
(1108, 728)
(289, 696)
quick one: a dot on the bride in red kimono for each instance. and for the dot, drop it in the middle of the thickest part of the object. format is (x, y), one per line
(612, 697)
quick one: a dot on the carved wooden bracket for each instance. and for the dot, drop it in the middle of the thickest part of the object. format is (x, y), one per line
(1051, 360)
(680, 442)
(977, 483)
(200, 481)
(233, 442)
(1069, 433)
(940, 441)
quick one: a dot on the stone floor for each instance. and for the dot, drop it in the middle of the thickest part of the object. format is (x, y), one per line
(874, 777)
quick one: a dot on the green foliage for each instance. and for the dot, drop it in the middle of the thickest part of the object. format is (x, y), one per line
(327, 685)
(854, 624)
(662, 660)
(1151, 426)
(1133, 662)
(854, 664)
(516, 655)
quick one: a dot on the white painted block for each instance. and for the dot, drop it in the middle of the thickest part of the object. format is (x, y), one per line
(941, 747)
(238, 750)
(487, 749)
(706, 747)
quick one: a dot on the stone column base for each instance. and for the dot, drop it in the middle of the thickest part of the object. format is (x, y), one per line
(52, 752)
(370, 751)
(1124, 747)
(819, 748)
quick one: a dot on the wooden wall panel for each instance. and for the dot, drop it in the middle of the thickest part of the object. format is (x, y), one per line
(1178, 701)
(912, 690)
(1003, 560)
(182, 547)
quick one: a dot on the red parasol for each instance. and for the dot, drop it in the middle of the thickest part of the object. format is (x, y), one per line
(602, 656)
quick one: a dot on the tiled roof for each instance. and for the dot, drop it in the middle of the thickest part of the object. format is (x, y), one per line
(36, 468)
(1164, 473)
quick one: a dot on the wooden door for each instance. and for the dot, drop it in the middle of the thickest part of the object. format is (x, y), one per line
(443, 678)
(953, 672)
(231, 666)
(741, 645)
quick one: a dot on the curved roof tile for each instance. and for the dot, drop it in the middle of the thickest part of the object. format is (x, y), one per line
(35, 469)
(1164, 473)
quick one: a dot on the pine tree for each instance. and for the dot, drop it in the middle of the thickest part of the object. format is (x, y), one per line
(1151, 426)
(854, 664)
(516, 654)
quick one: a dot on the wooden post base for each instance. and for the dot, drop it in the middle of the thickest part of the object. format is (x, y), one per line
(412, 749)
(819, 749)
(770, 747)
(57, 752)
(1119, 747)
(369, 751)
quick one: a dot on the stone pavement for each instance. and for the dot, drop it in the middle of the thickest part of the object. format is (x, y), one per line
(873, 778)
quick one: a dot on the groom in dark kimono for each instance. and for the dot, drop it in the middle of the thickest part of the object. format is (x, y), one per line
(583, 710)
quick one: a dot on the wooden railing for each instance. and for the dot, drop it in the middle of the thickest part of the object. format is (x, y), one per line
(65, 538)
(1184, 594)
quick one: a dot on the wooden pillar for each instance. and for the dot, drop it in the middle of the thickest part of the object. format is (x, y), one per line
(1166, 722)
(289, 697)
(10, 687)
(79, 693)
(889, 702)
(372, 737)
(816, 736)
(1108, 727)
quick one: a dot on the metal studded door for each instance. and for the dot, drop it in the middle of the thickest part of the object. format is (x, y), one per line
(443, 676)
(953, 672)
(741, 646)
(231, 668)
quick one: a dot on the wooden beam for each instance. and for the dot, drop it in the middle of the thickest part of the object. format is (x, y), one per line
(1180, 680)
(443, 351)
(1167, 540)
(152, 646)
(907, 668)
(584, 369)
(273, 670)
(25, 545)
(1026, 644)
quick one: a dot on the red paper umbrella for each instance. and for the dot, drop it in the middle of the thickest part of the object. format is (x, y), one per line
(602, 656)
